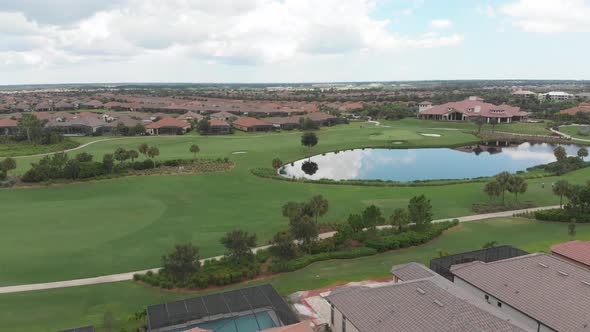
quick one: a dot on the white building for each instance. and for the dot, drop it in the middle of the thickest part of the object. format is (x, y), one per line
(541, 291)
(556, 96)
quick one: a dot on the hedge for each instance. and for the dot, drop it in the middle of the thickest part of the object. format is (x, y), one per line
(409, 238)
(562, 215)
(301, 262)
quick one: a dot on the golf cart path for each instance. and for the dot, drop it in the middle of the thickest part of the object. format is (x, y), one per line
(81, 146)
(564, 135)
(129, 275)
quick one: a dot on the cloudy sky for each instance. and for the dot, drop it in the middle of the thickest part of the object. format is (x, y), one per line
(69, 41)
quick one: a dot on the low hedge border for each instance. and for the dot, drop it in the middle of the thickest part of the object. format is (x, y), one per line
(301, 262)
(562, 215)
(409, 238)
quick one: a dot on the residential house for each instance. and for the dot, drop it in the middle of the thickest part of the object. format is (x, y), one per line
(422, 302)
(63, 106)
(124, 121)
(577, 252)
(92, 104)
(252, 125)
(544, 292)
(284, 122)
(321, 118)
(223, 116)
(190, 116)
(218, 127)
(8, 127)
(168, 126)
(472, 108)
(582, 107)
(43, 107)
(78, 126)
(524, 94)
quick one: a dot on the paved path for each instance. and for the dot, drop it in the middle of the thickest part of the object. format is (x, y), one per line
(564, 135)
(81, 146)
(129, 275)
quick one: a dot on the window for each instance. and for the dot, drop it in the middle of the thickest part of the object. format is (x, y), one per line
(343, 324)
(332, 315)
(499, 304)
(487, 297)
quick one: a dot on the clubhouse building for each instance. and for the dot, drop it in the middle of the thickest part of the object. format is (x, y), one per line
(470, 109)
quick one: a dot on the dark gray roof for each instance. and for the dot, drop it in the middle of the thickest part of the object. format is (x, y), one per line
(411, 271)
(547, 288)
(415, 306)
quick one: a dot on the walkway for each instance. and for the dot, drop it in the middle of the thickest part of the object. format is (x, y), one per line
(564, 135)
(81, 146)
(129, 275)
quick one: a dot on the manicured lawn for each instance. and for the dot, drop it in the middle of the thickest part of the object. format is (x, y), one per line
(89, 229)
(573, 131)
(63, 308)
(522, 128)
(24, 148)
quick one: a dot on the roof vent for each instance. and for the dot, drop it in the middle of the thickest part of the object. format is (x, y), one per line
(586, 283)
(421, 291)
(543, 265)
(440, 304)
(562, 273)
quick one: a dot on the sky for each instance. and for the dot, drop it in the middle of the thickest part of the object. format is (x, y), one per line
(264, 41)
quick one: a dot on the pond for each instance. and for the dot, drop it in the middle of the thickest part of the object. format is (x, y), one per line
(424, 164)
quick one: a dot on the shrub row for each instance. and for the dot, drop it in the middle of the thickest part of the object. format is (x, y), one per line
(301, 262)
(562, 215)
(213, 273)
(409, 238)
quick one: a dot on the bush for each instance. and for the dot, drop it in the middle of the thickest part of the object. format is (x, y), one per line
(142, 165)
(91, 169)
(562, 215)
(301, 262)
(408, 238)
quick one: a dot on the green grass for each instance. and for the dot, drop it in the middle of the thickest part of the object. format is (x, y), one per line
(522, 128)
(14, 149)
(573, 131)
(69, 307)
(82, 230)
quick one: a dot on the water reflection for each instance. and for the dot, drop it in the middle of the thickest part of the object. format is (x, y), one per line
(424, 164)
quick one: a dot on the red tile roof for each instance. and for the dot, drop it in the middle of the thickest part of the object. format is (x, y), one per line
(7, 123)
(218, 123)
(578, 251)
(574, 110)
(475, 108)
(250, 122)
(168, 122)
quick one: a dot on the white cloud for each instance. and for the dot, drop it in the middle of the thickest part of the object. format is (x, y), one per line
(222, 31)
(549, 16)
(440, 24)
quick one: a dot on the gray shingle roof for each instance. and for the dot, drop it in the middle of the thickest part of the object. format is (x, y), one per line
(411, 271)
(549, 289)
(421, 305)
(416, 306)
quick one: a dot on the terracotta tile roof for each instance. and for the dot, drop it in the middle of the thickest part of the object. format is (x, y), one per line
(544, 287)
(574, 110)
(168, 122)
(475, 108)
(250, 122)
(218, 123)
(578, 251)
(7, 123)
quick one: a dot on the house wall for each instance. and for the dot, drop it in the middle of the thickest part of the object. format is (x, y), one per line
(529, 322)
(339, 321)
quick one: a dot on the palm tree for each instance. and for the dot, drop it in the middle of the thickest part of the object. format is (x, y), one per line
(583, 153)
(561, 188)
